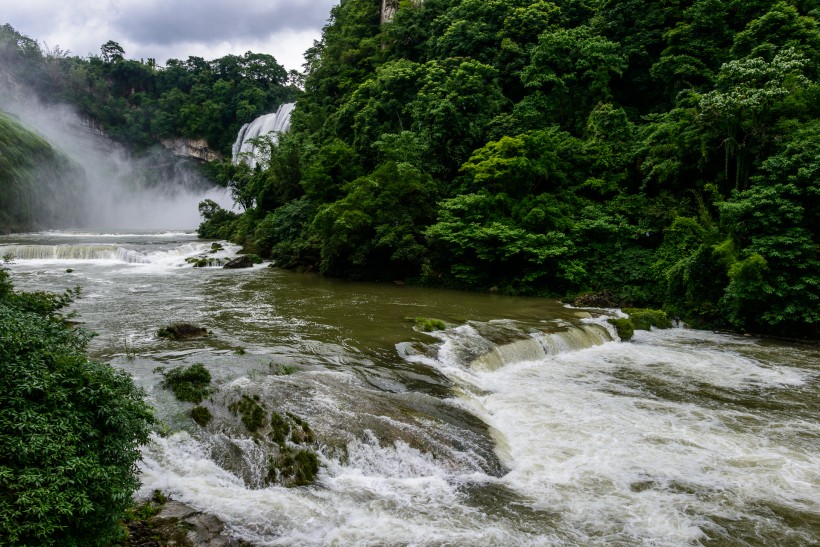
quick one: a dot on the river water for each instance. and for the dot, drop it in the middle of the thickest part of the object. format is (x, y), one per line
(525, 422)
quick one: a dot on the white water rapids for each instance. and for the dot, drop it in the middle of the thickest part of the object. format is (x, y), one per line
(522, 423)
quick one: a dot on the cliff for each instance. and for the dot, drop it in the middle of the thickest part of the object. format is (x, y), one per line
(191, 148)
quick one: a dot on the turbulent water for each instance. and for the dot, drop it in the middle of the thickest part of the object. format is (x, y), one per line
(245, 148)
(523, 423)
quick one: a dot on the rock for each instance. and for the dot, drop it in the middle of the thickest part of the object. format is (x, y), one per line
(191, 148)
(180, 524)
(182, 331)
(243, 261)
(595, 300)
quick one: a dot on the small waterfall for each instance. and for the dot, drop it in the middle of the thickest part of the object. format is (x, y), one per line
(74, 252)
(489, 346)
(540, 344)
(244, 148)
(180, 255)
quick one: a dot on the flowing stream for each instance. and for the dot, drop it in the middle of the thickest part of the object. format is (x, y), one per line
(524, 422)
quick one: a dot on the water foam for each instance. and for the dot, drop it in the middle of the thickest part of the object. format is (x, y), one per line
(102, 253)
(380, 492)
(585, 435)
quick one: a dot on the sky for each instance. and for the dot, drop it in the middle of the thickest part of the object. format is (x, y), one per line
(173, 29)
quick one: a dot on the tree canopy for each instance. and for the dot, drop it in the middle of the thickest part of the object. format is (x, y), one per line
(658, 152)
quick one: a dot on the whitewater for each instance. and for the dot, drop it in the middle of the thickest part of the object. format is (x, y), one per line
(524, 422)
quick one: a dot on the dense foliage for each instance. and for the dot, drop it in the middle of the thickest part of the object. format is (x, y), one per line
(35, 179)
(141, 102)
(663, 153)
(70, 429)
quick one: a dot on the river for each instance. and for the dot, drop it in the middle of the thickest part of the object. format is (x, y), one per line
(524, 422)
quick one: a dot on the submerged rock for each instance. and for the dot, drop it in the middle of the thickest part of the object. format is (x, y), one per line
(243, 261)
(182, 331)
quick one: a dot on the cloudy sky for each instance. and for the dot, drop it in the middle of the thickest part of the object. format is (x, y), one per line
(166, 29)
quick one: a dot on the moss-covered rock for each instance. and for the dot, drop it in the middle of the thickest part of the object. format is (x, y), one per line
(201, 415)
(190, 384)
(294, 467)
(624, 328)
(643, 319)
(252, 412)
(427, 324)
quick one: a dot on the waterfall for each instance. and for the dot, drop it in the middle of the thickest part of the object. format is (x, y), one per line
(244, 148)
(489, 346)
(178, 256)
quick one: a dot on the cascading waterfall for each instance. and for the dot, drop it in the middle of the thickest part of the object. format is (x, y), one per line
(245, 150)
(73, 252)
(117, 253)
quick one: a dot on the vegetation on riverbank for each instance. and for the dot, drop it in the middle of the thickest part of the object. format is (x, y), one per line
(663, 154)
(70, 429)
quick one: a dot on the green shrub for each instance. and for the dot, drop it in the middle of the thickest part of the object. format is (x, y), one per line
(190, 384)
(70, 431)
(201, 415)
(624, 327)
(642, 319)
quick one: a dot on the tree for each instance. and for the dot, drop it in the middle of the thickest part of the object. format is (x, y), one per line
(744, 108)
(112, 52)
(775, 224)
(572, 68)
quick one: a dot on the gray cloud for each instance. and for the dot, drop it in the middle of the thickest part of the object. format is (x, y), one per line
(161, 22)
(166, 29)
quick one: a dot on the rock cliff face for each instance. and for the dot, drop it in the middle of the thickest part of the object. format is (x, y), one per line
(191, 148)
(389, 9)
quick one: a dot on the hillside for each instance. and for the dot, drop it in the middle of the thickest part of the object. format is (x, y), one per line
(661, 154)
(35, 180)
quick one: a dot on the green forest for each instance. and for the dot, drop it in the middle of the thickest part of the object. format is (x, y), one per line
(661, 154)
(658, 154)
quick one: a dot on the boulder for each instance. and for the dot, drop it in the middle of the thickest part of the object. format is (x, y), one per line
(179, 524)
(243, 261)
(182, 331)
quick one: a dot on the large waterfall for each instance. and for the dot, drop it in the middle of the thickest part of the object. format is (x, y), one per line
(245, 149)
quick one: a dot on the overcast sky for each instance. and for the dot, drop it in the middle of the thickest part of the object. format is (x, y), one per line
(166, 29)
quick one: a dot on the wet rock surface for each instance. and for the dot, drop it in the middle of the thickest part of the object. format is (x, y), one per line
(243, 261)
(178, 524)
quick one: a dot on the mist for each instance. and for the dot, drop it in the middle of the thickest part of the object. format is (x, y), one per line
(116, 189)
